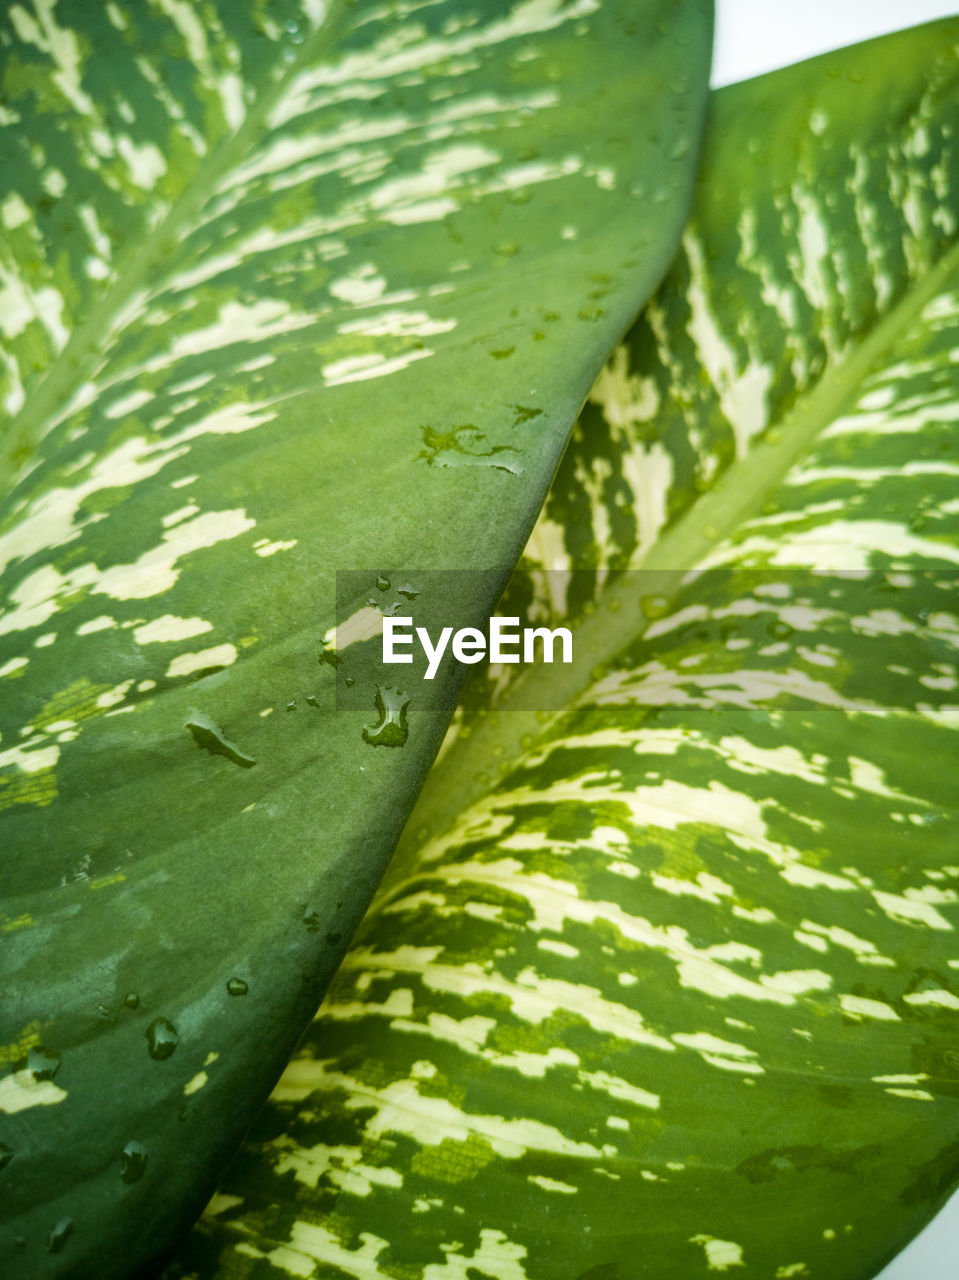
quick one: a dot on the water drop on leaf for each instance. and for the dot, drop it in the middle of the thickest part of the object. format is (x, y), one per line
(392, 729)
(779, 630)
(162, 1038)
(133, 1161)
(60, 1234)
(44, 1063)
(237, 987)
(654, 606)
(208, 735)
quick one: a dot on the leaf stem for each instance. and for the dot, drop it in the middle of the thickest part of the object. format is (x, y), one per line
(475, 762)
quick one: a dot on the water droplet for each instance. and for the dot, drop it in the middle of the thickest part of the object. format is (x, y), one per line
(406, 590)
(466, 446)
(507, 248)
(383, 583)
(654, 606)
(779, 630)
(162, 1038)
(60, 1234)
(44, 1063)
(591, 314)
(329, 657)
(237, 987)
(524, 413)
(133, 1161)
(131, 1000)
(503, 353)
(312, 700)
(392, 729)
(291, 705)
(208, 735)
(6, 1155)
(350, 681)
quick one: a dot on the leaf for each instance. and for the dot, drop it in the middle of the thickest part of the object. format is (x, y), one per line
(286, 291)
(677, 995)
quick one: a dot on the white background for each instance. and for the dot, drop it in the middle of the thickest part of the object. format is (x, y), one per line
(752, 37)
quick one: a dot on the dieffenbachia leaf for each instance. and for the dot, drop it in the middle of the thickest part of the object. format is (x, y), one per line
(285, 289)
(678, 994)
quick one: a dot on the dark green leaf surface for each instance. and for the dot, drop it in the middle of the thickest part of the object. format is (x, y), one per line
(285, 291)
(677, 995)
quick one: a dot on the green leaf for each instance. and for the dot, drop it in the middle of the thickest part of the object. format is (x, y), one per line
(678, 994)
(285, 291)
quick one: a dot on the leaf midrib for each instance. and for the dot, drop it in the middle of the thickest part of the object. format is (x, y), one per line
(471, 769)
(82, 355)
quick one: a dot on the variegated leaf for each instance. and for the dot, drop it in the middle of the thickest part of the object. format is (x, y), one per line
(678, 994)
(285, 288)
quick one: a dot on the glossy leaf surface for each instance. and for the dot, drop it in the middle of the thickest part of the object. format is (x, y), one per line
(286, 290)
(677, 995)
